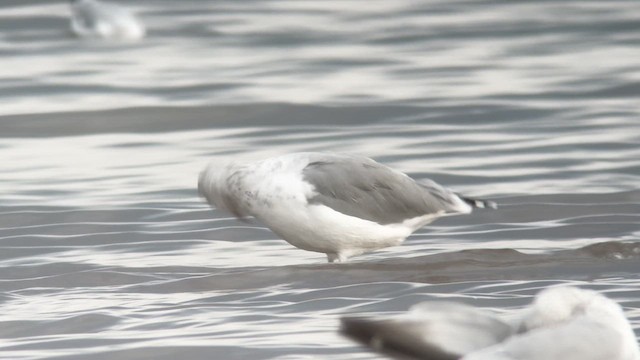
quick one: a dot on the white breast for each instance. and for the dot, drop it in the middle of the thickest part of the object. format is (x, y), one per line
(278, 197)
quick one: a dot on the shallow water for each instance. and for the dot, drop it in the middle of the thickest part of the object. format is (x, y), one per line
(107, 251)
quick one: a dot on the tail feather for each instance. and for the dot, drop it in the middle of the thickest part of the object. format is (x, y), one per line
(477, 203)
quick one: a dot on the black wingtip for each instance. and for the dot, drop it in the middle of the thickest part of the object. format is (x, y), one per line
(481, 204)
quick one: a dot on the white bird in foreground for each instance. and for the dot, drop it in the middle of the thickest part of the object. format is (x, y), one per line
(98, 19)
(340, 205)
(563, 323)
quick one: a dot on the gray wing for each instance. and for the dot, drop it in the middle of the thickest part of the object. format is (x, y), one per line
(85, 14)
(441, 330)
(90, 14)
(400, 340)
(363, 188)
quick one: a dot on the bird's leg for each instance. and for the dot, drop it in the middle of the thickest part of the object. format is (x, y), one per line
(337, 258)
(334, 258)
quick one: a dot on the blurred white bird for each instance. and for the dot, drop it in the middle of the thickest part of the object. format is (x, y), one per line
(98, 19)
(563, 323)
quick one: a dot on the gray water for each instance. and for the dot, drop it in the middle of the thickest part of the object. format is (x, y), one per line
(106, 251)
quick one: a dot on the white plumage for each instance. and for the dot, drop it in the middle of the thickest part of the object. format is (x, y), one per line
(340, 205)
(98, 19)
(563, 323)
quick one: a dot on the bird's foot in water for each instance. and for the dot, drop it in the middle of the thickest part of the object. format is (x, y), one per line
(337, 258)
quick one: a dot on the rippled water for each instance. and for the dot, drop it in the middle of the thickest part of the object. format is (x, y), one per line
(107, 251)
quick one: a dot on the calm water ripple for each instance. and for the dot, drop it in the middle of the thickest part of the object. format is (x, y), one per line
(107, 251)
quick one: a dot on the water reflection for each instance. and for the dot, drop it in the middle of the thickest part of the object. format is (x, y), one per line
(201, 53)
(107, 251)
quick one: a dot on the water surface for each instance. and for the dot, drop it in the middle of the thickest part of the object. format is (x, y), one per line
(107, 251)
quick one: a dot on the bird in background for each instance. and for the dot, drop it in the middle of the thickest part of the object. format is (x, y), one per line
(98, 19)
(563, 323)
(337, 204)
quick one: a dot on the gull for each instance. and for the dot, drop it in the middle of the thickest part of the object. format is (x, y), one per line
(98, 19)
(337, 204)
(563, 323)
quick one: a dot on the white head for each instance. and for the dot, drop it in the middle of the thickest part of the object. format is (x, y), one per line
(563, 304)
(557, 305)
(215, 184)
